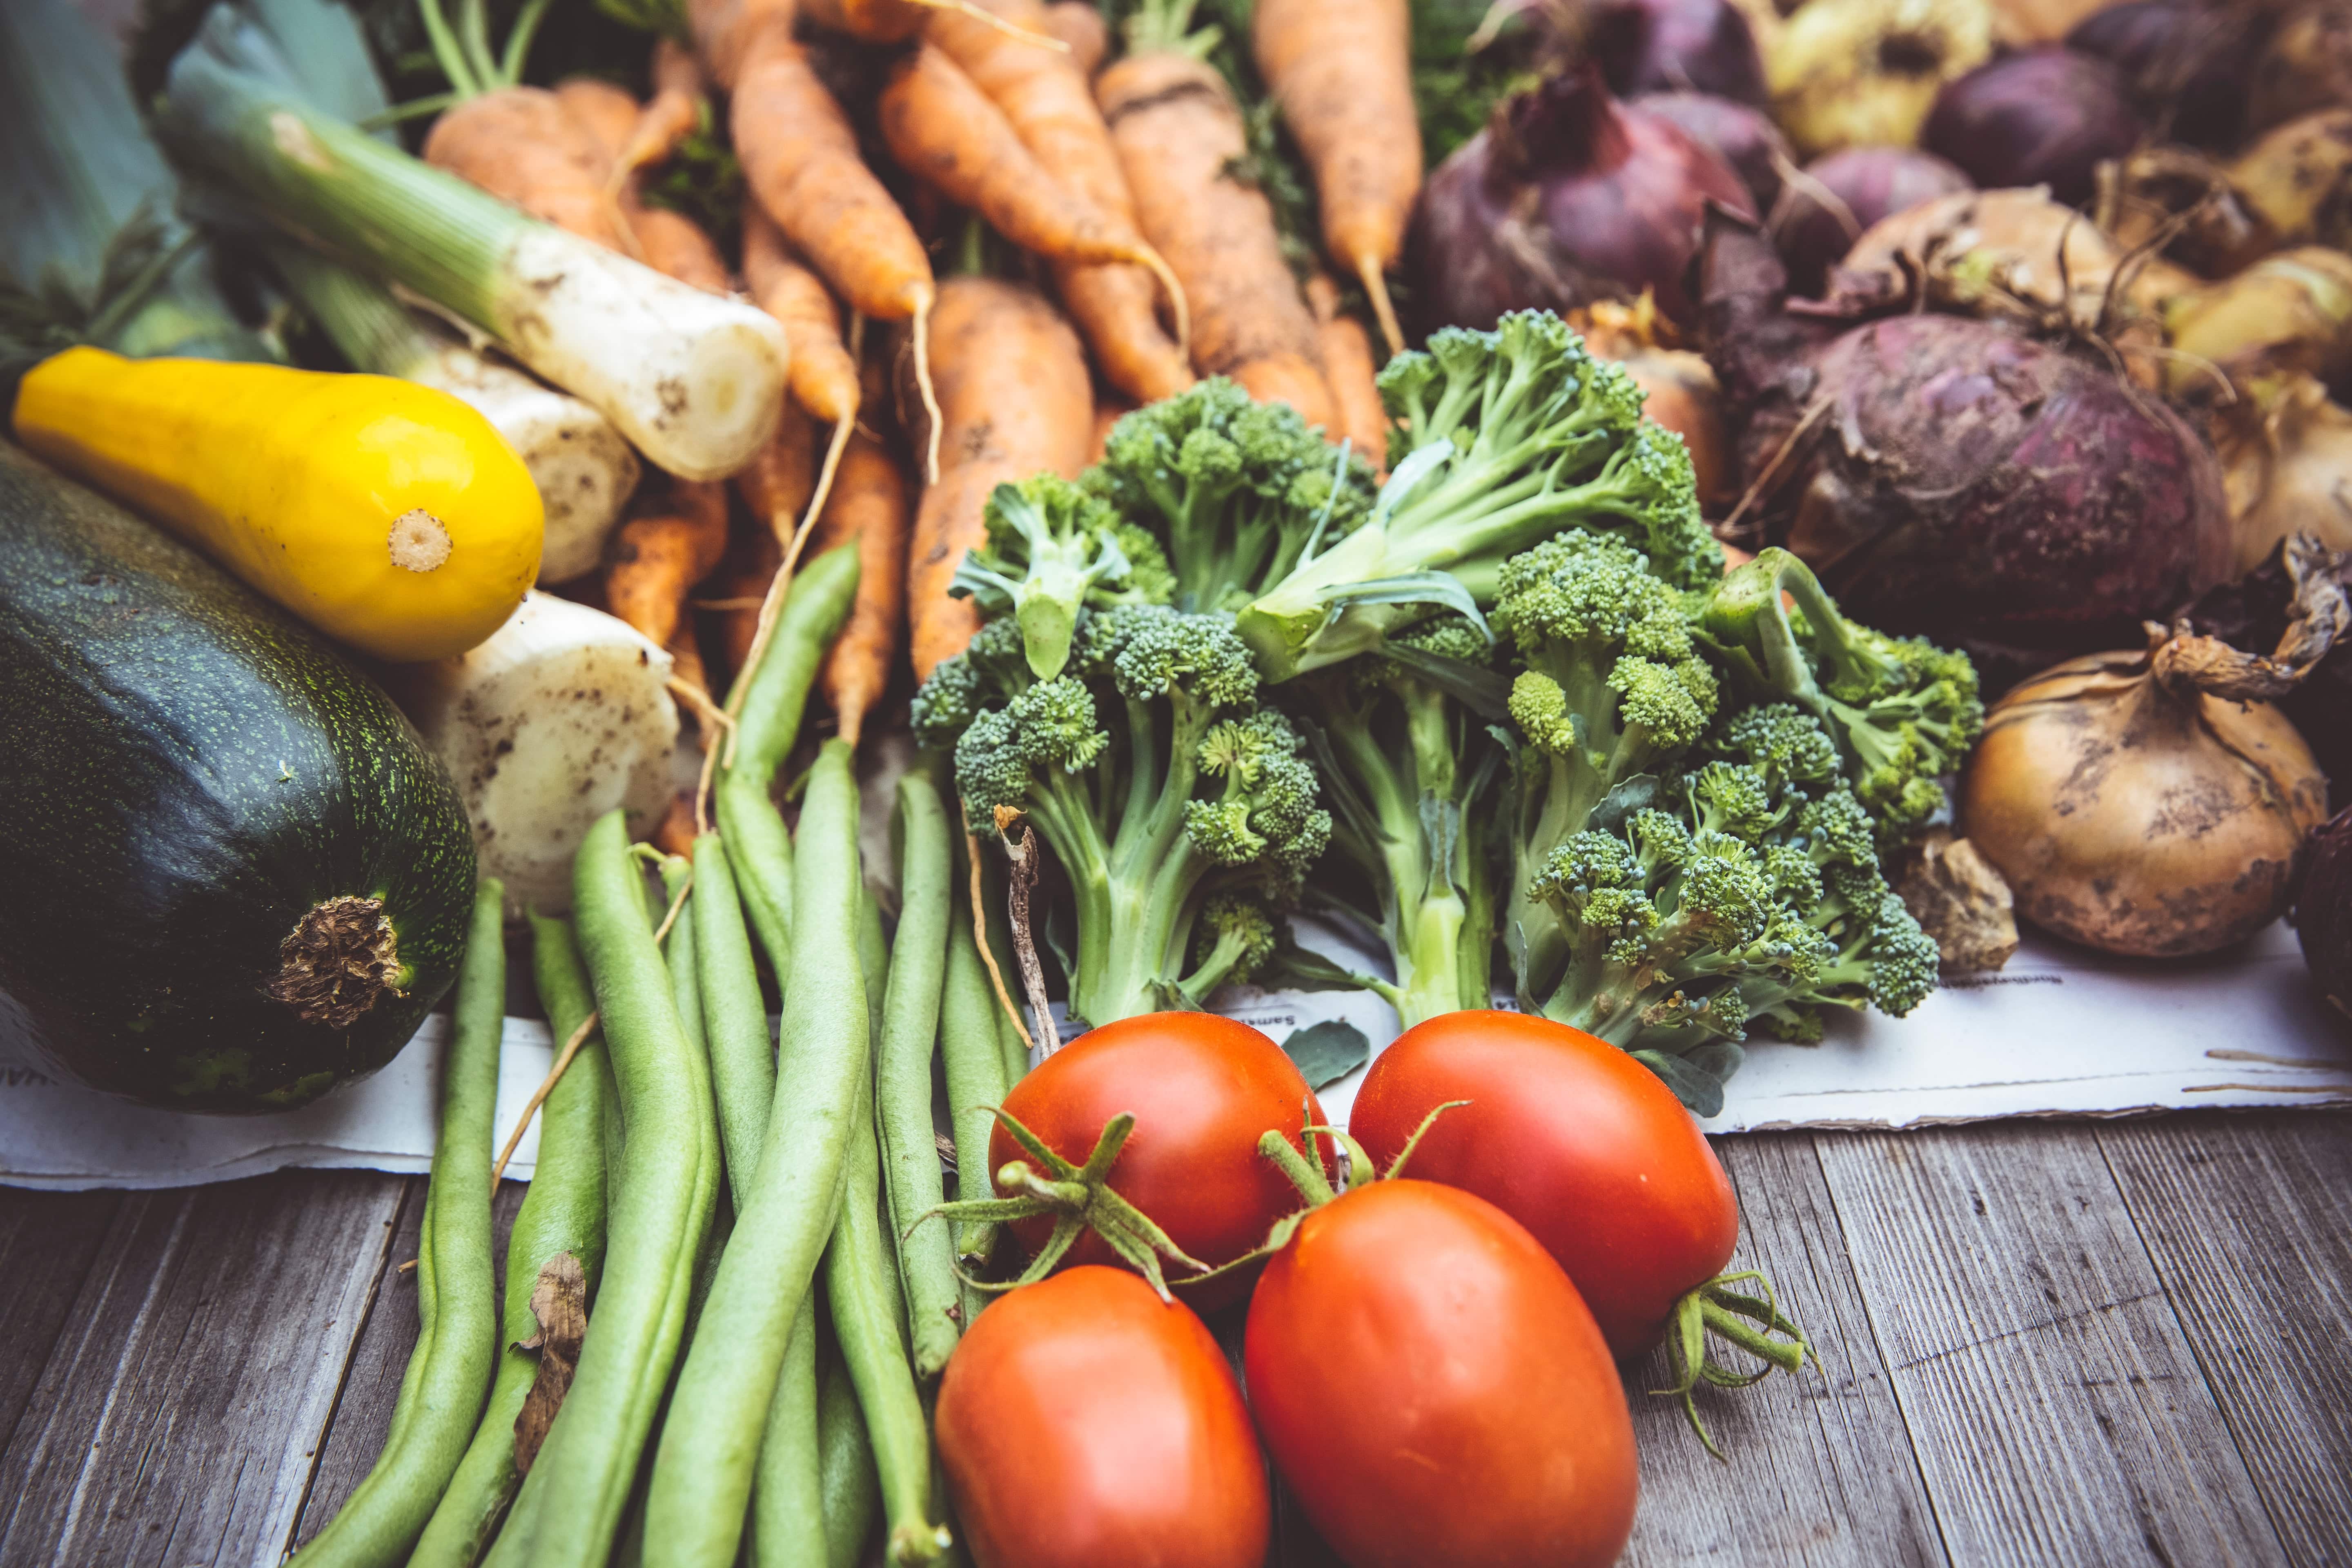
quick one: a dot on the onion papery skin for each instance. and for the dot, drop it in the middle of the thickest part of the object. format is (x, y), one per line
(1567, 197)
(1679, 46)
(1744, 137)
(2187, 64)
(1875, 183)
(2306, 65)
(2323, 912)
(1965, 484)
(2139, 820)
(2044, 117)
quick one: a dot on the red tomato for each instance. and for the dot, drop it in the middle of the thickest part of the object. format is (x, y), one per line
(1576, 1141)
(1432, 1388)
(1083, 1423)
(1202, 1089)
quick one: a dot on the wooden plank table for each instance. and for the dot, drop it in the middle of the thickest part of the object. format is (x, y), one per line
(2042, 1344)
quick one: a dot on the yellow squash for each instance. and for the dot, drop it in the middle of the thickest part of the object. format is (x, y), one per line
(389, 515)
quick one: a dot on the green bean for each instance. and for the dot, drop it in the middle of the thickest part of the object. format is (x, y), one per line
(661, 1196)
(734, 1016)
(861, 1287)
(767, 725)
(902, 1072)
(703, 1469)
(974, 1061)
(788, 1523)
(449, 1373)
(677, 950)
(563, 1212)
(873, 959)
(851, 1490)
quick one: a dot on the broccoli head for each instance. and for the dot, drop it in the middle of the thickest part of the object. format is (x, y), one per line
(1902, 712)
(1049, 549)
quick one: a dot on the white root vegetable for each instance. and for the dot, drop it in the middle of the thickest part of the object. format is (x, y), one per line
(561, 716)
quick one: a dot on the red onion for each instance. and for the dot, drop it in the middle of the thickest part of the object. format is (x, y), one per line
(1568, 197)
(2044, 117)
(1678, 46)
(1742, 136)
(1873, 183)
(2187, 64)
(1948, 478)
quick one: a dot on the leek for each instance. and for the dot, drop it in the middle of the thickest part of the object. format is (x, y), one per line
(584, 469)
(695, 380)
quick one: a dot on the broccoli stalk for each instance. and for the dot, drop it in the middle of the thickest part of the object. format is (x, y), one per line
(1505, 438)
(1409, 766)
(1904, 712)
(1160, 784)
(1614, 688)
(1049, 550)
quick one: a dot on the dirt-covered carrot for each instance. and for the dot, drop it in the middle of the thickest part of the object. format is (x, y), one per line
(1347, 366)
(668, 241)
(824, 377)
(669, 116)
(1079, 27)
(868, 504)
(1342, 72)
(1045, 96)
(1015, 398)
(1109, 412)
(944, 130)
(1178, 129)
(521, 146)
(670, 542)
(776, 488)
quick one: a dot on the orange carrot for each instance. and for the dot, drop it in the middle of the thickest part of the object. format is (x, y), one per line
(726, 32)
(669, 116)
(1342, 71)
(1109, 412)
(1080, 26)
(1015, 398)
(824, 377)
(670, 541)
(523, 145)
(778, 484)
(1177, 128)
(1046, 98)
(869, 505)
(943, 129)
(895, 21)
(677, 833)
(1347, 366)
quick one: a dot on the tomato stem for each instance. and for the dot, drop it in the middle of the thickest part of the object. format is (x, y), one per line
(1750, 1321)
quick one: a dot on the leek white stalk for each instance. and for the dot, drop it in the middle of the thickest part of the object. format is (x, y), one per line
(694, 380)
(563, 714)
(584, 469)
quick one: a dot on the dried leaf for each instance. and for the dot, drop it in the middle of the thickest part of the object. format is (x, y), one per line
(1960, 901)
(560, 1302)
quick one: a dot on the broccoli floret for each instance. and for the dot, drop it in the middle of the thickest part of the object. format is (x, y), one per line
(1235, 937)
(1503, 439)
(1749, 897)
(995, 664)
(1613, 689)
(1902, 712)
(1234, 490)
(1156, 779)
(1403, 737)
(1049, 549)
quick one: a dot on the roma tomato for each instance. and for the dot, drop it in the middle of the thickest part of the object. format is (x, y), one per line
(1433, 1390)
(1576, 1141)
(1202, 1089)
(1083, 1422)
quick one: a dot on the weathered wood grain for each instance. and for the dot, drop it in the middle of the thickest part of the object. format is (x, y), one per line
(2058, 1414)
(355, 1429)
(1819, 1468)
(2249, 1218)
(173, 1423)
(46, 1247)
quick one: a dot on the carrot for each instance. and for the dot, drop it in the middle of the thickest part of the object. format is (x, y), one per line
(1347, 366)
(869, 505)
(1177, 128)
(1015, 398)
(665, 240)
(676, 834)
(1342, 71)
(1080, 26)
(781, 479)
(670, 541)
(943, 129)
(669, 117)
(895, 21)
(1109, 412)
(1046, 98)
(725, 32)
(800, 158)
(824, 377)
(523, 145)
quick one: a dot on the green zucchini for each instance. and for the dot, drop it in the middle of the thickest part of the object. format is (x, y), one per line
(231, 876)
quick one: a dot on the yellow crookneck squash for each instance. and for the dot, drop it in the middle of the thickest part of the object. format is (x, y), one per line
(389, 515)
